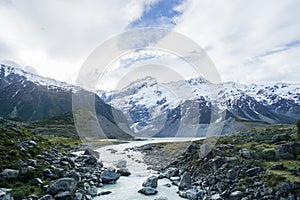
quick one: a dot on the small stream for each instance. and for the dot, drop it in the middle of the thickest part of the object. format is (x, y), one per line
(126, 188)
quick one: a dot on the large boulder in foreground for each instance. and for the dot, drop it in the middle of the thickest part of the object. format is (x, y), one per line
(62, 185)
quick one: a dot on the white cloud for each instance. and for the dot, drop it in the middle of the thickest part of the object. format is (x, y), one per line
(56, 36)
(234, 32)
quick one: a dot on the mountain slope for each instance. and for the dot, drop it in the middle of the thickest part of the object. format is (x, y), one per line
(31, 97)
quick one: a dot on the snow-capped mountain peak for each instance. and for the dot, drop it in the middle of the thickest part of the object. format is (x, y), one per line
(7, 71)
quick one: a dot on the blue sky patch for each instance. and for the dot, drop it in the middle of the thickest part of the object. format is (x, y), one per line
(160, 14)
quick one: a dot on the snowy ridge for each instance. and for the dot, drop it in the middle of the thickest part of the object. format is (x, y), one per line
(146, 99)
(42, 81)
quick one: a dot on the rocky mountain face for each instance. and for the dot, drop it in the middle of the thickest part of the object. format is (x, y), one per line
(30, 97)
(147, 103)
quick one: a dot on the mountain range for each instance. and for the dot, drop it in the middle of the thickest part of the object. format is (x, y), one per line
(147, 107)
(159, 108)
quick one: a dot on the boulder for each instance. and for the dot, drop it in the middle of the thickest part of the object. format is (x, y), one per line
(231, 174)
(74, 175)
(121, 164)
(46, 197)
(185, 182)
(124, 172)
(188, 194)
(105, 192)
(36, 181)
(236, 195)
(148, 191)
(216, 197)
(109, 176)
(68, 161)
(245, 153)
(32, 162)
(151, 182)
(172, 172)
(254, 171)
(91, 160)
(92, 191)
(217, 162)
(277, 167)
(6, 194)
(91, 152)
(288, 150)
(280, 137)
(62, 185)
(9, 174)
(78, 196)
(64, 195)
(48, 173)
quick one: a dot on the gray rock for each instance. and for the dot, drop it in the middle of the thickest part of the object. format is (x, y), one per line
(280, 137)
(151, 182)
(148, 191)
(254, 171)
(216, 197)
(62, 185)
(172, 172)
(231, 174)
(277, 167)
(236, 195)
(189, 194)
(6, 194)
(121, 164)
(287, 150)
(78, 196)
(217, 162)
(64, 195)
(74, 175)
(245, 153)
(91, 152)
(24, 170)
(185, 182)
(68, 161)
(48, 173)
(91, 160)
(284, 187)
(124, 172)
(32, 162)
(105, 192)
(32, 143)
(33, 196)
(36, 181)
(46, 197)
(93, 191)
(109, 176)
(296, 185)
(9, 174)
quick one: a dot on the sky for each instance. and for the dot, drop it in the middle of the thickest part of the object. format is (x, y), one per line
(248, 41)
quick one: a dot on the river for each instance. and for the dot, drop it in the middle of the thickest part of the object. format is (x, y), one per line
(127, 187)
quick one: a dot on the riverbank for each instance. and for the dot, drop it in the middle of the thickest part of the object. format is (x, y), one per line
(256, 164)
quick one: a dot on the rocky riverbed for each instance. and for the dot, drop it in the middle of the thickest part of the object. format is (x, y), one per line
(256, 164)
